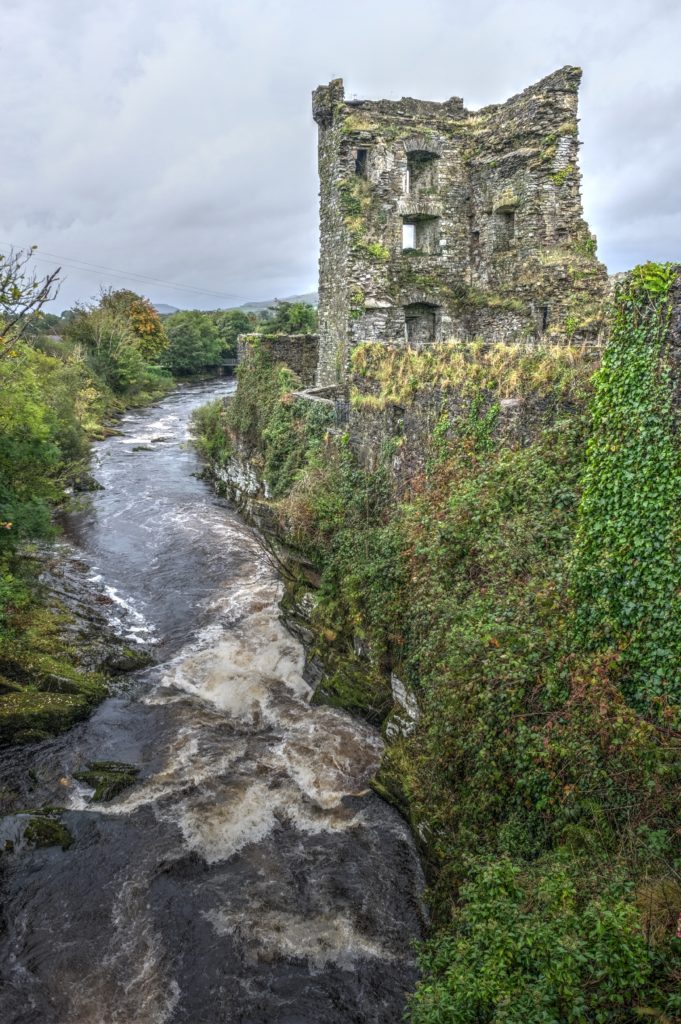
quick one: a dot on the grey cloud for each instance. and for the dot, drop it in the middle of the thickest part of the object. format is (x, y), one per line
(175, 140)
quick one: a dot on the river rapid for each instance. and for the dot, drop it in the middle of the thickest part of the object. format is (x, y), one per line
(249, 875)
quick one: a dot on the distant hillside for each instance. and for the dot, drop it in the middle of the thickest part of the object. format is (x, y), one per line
(312, 298)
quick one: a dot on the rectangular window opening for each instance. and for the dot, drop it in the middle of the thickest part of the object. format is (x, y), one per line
(504, 229)
(361, 163)
(420, 323)
(421, 172)
(421, 234)
(409, 236)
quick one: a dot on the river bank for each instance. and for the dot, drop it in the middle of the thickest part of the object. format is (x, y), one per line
(58, 644)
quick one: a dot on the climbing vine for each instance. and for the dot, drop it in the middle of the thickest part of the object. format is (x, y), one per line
(627, 564)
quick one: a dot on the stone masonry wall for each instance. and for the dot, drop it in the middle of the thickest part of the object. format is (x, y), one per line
(406, 431)
(300, 352)
(488, 205)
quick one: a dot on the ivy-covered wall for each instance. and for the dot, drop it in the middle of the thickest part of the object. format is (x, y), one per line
(627, 568)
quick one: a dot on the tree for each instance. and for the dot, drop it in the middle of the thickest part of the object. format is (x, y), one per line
(230, 323)
(121, 338)
(291, 318)
(43, 323)
(142, 317)
(22, 295)
(194, 342)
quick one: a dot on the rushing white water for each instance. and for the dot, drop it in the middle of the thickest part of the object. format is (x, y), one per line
(250, 874)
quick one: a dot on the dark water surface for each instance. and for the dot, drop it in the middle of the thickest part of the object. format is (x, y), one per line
(249, 876)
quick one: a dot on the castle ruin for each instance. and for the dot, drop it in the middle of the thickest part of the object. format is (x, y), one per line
(439, 223)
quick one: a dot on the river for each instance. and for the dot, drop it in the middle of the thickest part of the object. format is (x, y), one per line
(249, 875)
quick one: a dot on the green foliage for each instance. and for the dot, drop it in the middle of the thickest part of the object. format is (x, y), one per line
(357, 303)
(341, 516)
(395, 374)
(230, 323)
(292, 434)
(121, 341)
(144, 321)
(22, 296)
(55, 395)
(545, 803)
(628, 550)
(262, 384)
(43, 323)
(265, 420)
(290, 318)
(586, 246)
(210, 432)
(561, 176)
(530, 949)
(376, 251)
(194, 342)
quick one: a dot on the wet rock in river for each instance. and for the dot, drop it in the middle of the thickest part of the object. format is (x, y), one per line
(46, 830)
(107, 778)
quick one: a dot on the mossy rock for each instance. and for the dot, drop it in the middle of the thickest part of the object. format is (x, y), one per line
(107, 778)
(29, 714)
(355, 688)
(47, 831)
(390, 781)
(128, 659)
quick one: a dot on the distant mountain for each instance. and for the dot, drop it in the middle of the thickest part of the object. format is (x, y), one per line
(312, 298)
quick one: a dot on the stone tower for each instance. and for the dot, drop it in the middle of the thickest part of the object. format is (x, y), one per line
(440, 223)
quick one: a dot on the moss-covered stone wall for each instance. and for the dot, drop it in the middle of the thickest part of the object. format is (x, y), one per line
(300, 352)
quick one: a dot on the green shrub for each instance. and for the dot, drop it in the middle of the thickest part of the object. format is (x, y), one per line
(264, 420)
(529, 948)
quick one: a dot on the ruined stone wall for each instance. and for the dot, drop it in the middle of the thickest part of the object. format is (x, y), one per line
(334, 253)
(405, 432)
(300, 352)
(499, 250)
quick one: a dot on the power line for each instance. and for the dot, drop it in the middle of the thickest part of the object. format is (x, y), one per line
(93, 268)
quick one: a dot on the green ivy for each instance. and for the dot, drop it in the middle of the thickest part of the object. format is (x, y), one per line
(546, 805)
(627, 561)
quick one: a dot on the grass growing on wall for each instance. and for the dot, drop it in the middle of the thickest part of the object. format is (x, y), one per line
(394, 374)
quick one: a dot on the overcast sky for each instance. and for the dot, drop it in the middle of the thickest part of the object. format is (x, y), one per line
(174, 139)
